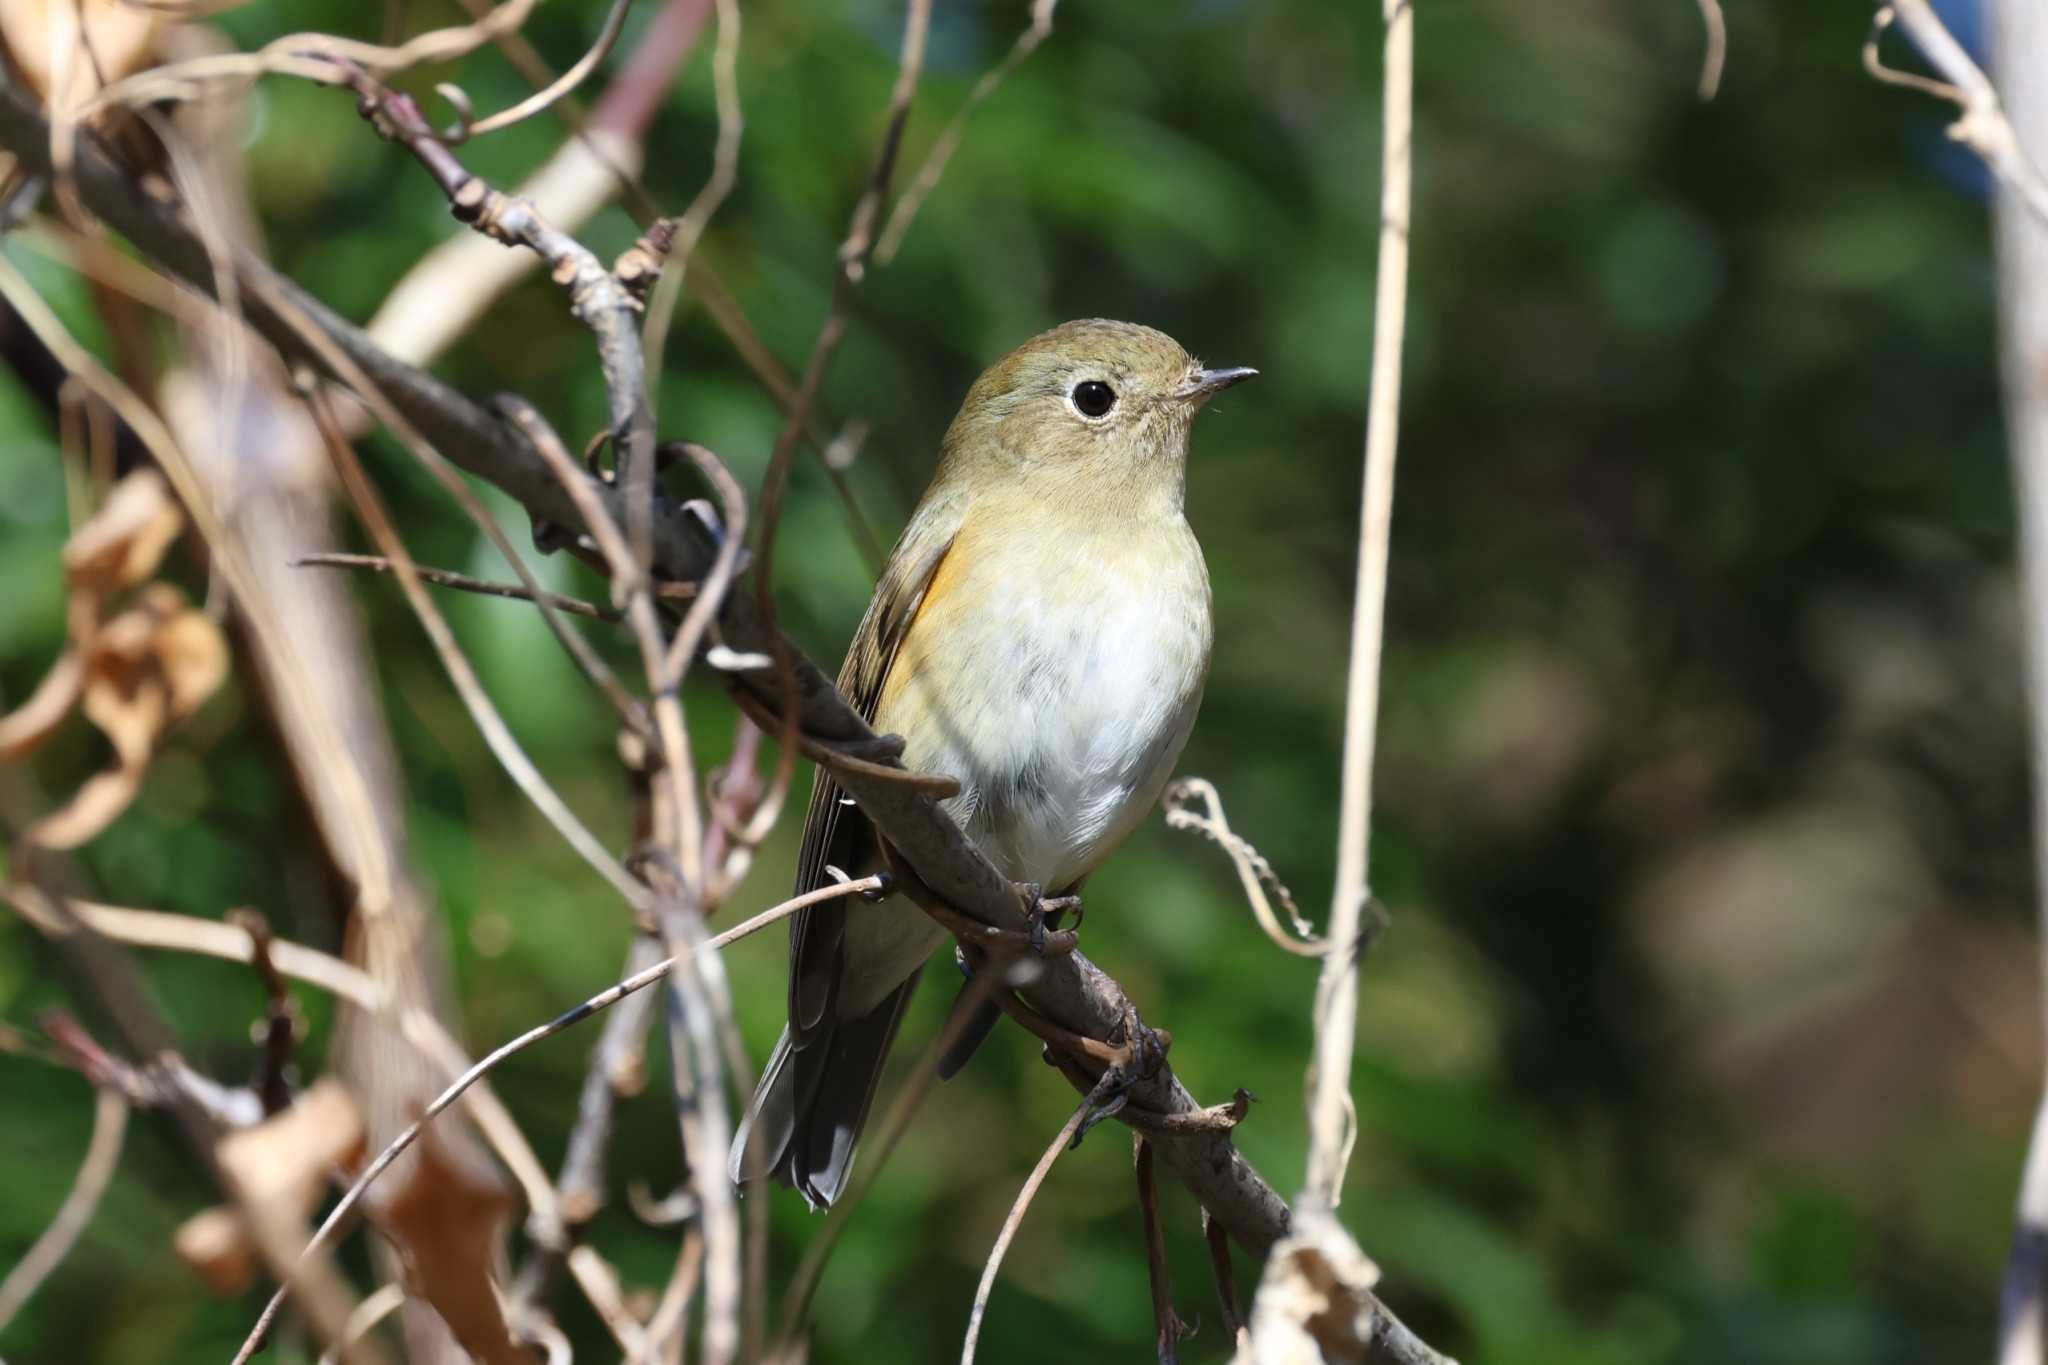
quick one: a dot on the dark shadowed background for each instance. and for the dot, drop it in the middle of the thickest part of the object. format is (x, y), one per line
(1705, 1029)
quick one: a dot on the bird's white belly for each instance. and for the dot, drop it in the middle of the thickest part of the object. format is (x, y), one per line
(1061, 710)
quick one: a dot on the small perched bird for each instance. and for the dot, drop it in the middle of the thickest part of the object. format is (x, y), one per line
(1041, 635)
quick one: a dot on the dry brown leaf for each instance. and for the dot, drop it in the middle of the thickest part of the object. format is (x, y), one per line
(151, 665)
(446, 1218)
(280, 1166)
(125, 694)
(192, 657)
(215, 1246)
(1315, 1304)
(148, 667)
(123, 542)
(287, 1158)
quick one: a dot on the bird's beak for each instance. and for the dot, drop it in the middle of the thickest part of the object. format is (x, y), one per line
(1208, 383)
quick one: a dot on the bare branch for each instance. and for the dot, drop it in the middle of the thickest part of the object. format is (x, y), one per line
(1225, 1275)
(462, 582)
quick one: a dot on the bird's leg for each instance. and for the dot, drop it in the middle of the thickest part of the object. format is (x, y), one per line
(1144, 1046)
(1044, 912)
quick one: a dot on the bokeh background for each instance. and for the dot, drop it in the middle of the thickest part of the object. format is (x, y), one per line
(1706, 1026)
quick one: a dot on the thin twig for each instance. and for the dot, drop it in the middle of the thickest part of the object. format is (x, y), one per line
(95, 1173)
(614, 24)
(210, 938)
(1059, 1144)
(603, 1000)
(1254, 873)
(280, 1024)
(927, 178)
(725, 161)
(596, 297)
(462, 582)
(1336, 1007)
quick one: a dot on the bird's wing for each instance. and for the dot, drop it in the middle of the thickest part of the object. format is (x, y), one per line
(834, 834)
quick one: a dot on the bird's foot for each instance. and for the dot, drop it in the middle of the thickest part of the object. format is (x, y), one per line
(1044, 912)
(1144, 1052)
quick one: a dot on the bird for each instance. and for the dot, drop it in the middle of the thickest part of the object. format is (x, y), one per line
(1040, 634)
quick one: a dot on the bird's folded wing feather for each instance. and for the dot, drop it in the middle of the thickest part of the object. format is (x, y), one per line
(834, 834)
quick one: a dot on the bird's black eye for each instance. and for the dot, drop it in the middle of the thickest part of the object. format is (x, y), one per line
(1093, 398)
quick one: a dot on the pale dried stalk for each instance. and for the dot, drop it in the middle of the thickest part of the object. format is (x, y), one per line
(207, 937)
(1337, 991)
(2020, 42)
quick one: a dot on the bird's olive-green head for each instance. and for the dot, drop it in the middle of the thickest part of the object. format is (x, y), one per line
(1090, 404)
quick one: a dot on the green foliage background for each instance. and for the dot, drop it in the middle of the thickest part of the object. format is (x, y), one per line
(1705, 1027)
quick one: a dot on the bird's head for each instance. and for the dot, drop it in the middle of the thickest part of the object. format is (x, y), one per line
(1090, 402)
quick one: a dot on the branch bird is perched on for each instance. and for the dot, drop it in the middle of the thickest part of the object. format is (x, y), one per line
(1040, 634)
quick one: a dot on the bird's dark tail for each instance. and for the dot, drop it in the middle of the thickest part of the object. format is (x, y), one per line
(813, 1101)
